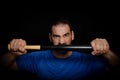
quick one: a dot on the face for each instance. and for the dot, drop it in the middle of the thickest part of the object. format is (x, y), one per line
(61, 35)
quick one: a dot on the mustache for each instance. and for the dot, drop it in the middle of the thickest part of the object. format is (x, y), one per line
(60, 47)
(62, 44)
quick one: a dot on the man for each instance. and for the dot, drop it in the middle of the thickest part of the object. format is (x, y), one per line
(61, 64)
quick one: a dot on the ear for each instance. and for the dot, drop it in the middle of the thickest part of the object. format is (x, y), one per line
(72, 35)
(50, 37)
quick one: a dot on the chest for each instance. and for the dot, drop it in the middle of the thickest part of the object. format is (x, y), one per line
(65, 68)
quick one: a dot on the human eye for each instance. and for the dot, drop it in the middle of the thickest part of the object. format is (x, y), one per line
(55, 36)
(66, 35)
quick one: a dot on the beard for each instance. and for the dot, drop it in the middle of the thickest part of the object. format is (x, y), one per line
(61, 51)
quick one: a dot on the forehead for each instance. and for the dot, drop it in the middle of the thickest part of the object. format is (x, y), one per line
(61, 28)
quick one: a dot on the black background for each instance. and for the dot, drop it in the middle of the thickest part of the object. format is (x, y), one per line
(31, 23)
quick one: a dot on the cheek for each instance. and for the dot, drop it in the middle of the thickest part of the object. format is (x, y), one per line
(55, 42)
(68, 41)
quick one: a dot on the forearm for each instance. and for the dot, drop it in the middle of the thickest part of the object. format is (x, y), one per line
(8, 59)
(112, 58)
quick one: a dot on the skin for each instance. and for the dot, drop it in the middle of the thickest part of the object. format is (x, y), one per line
(60, 34)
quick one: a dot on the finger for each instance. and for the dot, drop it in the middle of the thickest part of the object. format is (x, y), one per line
(21, 45)
(99, 46)
(17, 45)
(96, 44)
(106, 45)
(96, 53)
(93, 45)
(11, 45)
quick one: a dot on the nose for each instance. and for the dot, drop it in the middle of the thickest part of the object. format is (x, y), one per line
(61, 41)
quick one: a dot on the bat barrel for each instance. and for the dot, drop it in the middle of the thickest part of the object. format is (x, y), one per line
(70, 47)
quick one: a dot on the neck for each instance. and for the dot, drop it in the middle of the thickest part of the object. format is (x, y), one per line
(58, 55)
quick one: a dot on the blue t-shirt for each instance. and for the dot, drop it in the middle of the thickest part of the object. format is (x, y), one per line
(47, 67)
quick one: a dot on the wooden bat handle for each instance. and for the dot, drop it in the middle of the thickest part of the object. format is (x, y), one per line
(31, 47)
(34, 47)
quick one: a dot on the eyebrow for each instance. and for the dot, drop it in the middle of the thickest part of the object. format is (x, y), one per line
(64, 34)
(67, 33)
